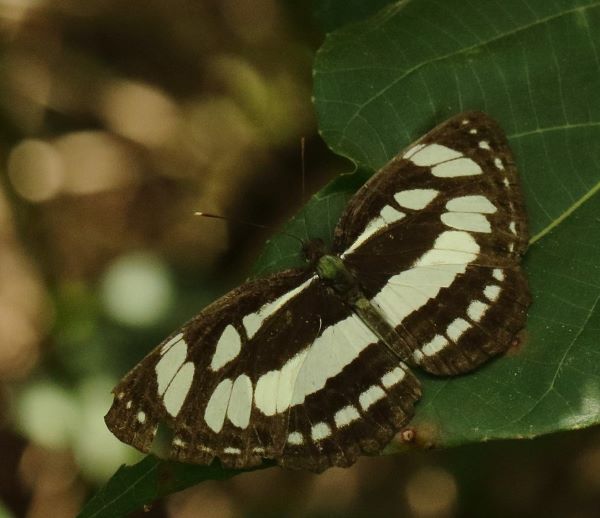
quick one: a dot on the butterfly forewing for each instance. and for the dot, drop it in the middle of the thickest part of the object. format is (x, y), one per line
(311, 371)
(176, 381)
(442, 265)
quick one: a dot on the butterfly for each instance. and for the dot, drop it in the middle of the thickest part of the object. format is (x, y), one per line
(312, 367)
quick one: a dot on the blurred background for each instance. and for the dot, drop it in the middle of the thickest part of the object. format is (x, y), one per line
(118, 120)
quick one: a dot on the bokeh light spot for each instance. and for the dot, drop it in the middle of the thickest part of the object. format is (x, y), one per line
(36, 170)
(139, 112)
(431, 492)
(96, 161)
(48, 414)
(137, 290)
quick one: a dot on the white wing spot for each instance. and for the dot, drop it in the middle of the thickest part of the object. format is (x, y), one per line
(320, 431)
(345, 416)
(473, 203)
(141, 417)
(451, 248)
(231, 451)
(128, 405)
(338, 346)
(415, 199)
(413, 150)
(295, 439)
(214, 414)
(170, 343)
(473, 131)
(288, 378)
(498, 274)
(275, 389)
(372, 228)
(240, 402)
(387, 215)
(390, 214)
(476, 310)
(498, 163)
(254, 321)
(433, 154)
(457, 328)
(418, 356)
(393, 377)
(458, 167)
(169, 364)
(178, 389)
(178, 442)
(436, 269)
(513, 227)
(471, 221)
(506, 183)
(370, 396)
(228, 347)
(453, 240)
(484, 144)
(265, 394)
(435, 345)
(491, 292)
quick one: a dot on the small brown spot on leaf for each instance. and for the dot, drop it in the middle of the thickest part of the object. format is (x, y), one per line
(420, 435)
(517, 344)
(407, 435)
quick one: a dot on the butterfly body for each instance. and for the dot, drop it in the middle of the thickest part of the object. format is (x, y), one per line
(309, 366)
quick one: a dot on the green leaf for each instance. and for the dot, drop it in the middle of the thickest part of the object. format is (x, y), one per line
(533, 65)
(133, 487)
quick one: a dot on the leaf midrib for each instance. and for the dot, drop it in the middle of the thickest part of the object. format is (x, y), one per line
(534, 239)
(121, 495)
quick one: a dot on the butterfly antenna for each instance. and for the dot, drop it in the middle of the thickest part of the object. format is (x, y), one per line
(224, 218)
(244, 222)
(302, 149)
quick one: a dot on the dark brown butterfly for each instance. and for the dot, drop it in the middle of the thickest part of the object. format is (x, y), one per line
(310, 366)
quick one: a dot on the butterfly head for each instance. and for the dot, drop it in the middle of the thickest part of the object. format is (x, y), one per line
(313, 250)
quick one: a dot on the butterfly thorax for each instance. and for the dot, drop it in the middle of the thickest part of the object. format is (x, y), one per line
(333, 271)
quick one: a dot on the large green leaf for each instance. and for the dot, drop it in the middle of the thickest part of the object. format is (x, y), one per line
(534, 66)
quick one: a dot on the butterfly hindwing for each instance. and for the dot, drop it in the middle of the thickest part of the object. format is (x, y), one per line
(435, 240)
(357, 412)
